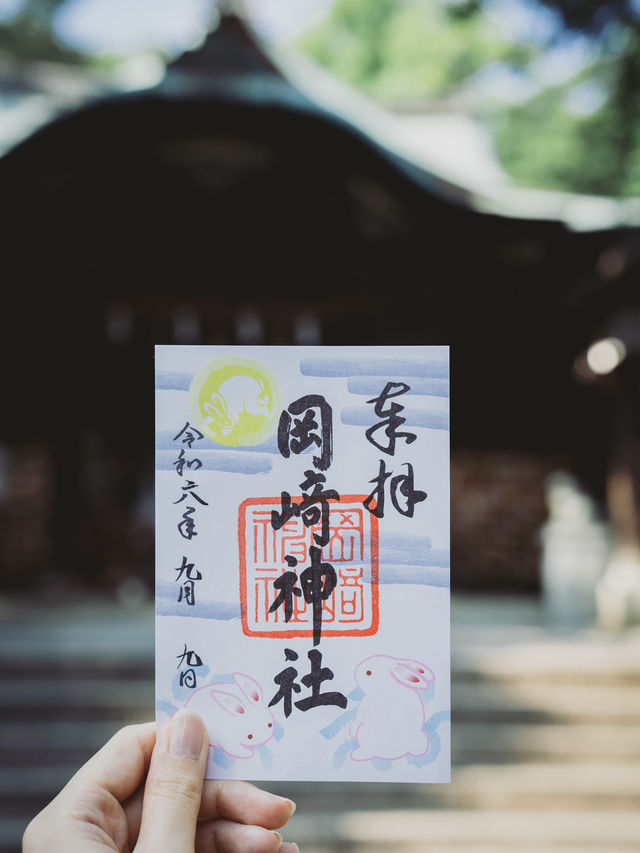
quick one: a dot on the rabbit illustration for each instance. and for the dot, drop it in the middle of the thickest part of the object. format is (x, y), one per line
(390, 716)
(236, 717)
(236, 396)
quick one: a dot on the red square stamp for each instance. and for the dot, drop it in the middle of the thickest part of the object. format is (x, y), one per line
(352, 550)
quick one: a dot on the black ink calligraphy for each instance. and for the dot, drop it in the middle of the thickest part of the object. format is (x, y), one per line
(287, 685)
(392, 419)
(401, 484)
(317, 583)
(403, 495)
(190, 661)
(296, 435)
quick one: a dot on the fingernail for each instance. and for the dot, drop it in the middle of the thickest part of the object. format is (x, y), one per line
(291, 804)
(185, 738)
(279, 837)
(289, 847)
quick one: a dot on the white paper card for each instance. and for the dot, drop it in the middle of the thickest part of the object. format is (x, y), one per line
(302, 509)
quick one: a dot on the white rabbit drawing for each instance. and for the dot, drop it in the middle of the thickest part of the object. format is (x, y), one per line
(390, 716)
(237, 719)
(235, 396)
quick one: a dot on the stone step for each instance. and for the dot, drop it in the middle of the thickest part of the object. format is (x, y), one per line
(446, 830)
(601, 787)
(56, 735)
(63, 691)
(546, 738)
(535, 701)
(561, 786)
(11, 831)
(586, 658)
(24, 671)
(472, 743)
(521, 846)
(70, 698)
(456, 829)
(524, 787)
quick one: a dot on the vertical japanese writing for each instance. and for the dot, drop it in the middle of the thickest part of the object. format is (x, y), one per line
(317, 581)
(306, 423)
(188, 575)
(403, 495)
(287, 685)
(188, 663)
(295, 435)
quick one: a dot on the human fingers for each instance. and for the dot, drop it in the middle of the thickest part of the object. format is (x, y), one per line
(244, 803)
(120, 766)
(87, 810)
(235, 801)
(226, 836)
(174, 785)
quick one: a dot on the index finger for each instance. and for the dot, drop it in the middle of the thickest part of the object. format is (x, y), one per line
(120, 766)
(244, 803)
(241, 802)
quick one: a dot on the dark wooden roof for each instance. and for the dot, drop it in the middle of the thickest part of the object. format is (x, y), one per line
(232, 48)
(235, 193)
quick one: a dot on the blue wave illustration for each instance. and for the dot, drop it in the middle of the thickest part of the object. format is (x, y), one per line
(166, 440)
(212, 460)
(430, 729)
(173, 380)
(166, 707)
(366, 416)
(220, 610)
(422, 575)
(340, 755)
(412, 544)
(412, 549)
(391, 367)
(222, 759)
(383, 764)
(371, 387)
(334, 728)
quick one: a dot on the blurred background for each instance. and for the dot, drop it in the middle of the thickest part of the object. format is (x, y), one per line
(334, 172)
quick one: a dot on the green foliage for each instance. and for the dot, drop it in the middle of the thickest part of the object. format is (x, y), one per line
(395, 49)
(29, 35)
(403, 50)
(542, 144)
(417, 49)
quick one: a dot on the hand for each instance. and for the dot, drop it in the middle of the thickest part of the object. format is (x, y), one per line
(107, 806)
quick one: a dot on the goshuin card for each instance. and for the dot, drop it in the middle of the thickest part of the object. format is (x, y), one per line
(302, 508)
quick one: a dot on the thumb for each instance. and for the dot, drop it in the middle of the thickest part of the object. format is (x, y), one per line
(174, 786)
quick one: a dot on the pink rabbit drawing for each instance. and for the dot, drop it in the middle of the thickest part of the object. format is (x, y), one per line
(390, 716)
(235, 715)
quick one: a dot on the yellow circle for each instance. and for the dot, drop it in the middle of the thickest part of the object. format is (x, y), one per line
(235, 401)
